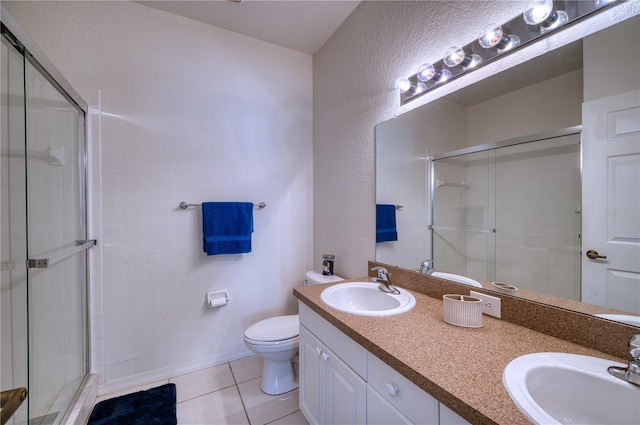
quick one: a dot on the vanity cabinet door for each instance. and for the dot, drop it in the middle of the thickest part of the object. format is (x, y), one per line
(330, 392)
(345, 392)
(311, 376)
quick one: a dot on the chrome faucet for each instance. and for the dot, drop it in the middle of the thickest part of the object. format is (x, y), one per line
(383, 281)
(427, 267)
(632, 372)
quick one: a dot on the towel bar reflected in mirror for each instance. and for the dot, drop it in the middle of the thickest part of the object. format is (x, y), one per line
(185, 205)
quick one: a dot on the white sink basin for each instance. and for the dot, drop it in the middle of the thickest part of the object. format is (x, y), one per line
(365, 299)
(559, 388)
(622, 318)
(457, 278)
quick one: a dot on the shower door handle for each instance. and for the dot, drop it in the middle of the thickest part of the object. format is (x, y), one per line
(10, 401)
(77, 246)
(593, 254)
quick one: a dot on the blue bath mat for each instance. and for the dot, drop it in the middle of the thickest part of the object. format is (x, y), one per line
(156, 406)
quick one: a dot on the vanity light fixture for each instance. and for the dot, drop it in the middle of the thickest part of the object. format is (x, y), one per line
(428, 72)
(541, 12)
(455, 56)
(495, 41)
(493, 36)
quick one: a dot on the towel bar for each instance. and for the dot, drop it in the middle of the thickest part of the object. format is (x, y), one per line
(185, 205)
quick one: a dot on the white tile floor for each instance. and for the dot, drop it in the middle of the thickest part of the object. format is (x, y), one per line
(228, 394)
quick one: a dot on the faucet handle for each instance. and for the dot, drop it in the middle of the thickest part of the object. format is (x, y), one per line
(382, 272)
(634, 347)
(426, 267)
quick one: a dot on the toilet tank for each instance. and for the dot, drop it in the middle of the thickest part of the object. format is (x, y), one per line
(316, 278)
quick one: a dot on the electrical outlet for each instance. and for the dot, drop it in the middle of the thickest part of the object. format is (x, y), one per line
(490, 304)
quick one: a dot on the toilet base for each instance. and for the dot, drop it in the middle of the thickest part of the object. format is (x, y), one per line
(278, 377)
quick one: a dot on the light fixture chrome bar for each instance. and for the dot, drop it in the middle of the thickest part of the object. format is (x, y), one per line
(575, 10)
(43, 263)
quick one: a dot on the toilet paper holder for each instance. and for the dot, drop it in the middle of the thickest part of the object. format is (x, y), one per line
(217, 299)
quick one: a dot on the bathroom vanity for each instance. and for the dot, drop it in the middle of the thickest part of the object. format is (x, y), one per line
(411, 367)
(341, 382)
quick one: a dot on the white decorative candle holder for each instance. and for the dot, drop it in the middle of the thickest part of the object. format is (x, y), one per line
(462, 310)
(505, 288)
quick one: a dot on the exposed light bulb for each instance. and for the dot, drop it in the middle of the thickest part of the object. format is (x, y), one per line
(427, 72)
(540, 12)
(457, 56)
(402, 84)
(492, 35)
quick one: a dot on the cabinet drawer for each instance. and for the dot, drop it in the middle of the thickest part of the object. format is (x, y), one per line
(449, 417)
(381, 412)
(352, 353)
(415, 404)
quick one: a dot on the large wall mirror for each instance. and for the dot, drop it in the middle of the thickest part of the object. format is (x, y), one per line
(516, 177)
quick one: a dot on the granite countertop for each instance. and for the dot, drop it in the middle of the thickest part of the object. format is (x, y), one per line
(461, 367)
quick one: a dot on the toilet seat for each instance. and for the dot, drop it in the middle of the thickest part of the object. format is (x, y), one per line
(274, 331)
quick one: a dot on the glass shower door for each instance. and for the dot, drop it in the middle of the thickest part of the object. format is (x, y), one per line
(44, 260)
(464, 214)
(512, 214)
(56, 245)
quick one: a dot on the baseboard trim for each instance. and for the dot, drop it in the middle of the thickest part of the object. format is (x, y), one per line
(137, 380)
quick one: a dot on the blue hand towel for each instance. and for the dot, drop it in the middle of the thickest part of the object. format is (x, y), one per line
(227, 227)
(386, 223)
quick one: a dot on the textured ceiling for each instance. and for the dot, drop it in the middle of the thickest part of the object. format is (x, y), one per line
(303, 25)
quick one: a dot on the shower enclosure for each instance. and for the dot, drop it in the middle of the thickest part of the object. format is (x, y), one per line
(44, 239)
(511, 212)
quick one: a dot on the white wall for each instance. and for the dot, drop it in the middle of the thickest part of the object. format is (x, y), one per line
(549, 105)
(353, 81)
(604, 75)
(193, 113)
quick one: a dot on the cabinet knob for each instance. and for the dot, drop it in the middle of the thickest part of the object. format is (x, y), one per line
(325, 356)
(393, 389)
(318, 351)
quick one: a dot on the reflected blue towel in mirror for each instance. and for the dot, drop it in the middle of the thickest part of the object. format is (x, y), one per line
(386, 223)
(227, 227)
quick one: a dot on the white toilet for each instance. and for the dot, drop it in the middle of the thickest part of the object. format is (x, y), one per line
(276, 340)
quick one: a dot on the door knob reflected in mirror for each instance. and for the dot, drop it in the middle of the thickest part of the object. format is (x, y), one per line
(594, 255)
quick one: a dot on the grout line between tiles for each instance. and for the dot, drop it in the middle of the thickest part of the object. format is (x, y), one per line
(244, 407)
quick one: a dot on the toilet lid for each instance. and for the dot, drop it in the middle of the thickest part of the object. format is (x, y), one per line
(274, 329)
